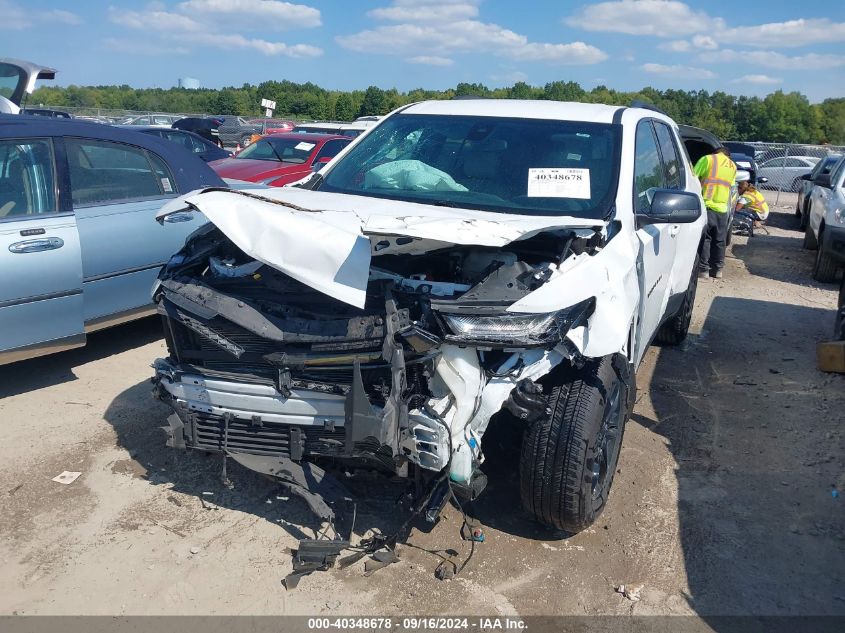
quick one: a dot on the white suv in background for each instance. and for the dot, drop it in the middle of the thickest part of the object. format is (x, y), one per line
(463, 260)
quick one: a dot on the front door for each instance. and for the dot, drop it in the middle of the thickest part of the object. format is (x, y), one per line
(40, 262)
(658, 243)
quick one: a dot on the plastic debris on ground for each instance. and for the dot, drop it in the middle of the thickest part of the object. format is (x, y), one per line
(67, 477)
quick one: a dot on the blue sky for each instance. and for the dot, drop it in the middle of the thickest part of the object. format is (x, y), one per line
(752, 47)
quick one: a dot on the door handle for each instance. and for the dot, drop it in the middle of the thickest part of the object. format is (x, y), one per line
(36, 246)
(179, 217)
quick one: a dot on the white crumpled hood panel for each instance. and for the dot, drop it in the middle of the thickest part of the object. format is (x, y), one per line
(328, 248)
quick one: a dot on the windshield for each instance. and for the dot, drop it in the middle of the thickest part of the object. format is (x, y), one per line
(525, 166)
(11, 82)
(279, 150)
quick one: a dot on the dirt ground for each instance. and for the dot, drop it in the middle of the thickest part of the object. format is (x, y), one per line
(723, 504)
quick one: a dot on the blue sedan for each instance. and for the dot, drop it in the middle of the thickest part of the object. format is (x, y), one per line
(79, 245)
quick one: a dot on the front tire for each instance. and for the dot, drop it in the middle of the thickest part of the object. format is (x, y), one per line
(810, 243)
(825, 267)
(675, 330)
(569, 455)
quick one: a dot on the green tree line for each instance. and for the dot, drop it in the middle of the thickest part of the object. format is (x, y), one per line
(778, 117)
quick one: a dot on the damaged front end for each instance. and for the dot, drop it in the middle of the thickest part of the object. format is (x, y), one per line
(261, 363)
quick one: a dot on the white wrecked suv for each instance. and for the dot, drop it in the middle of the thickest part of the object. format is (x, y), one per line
(462, 260)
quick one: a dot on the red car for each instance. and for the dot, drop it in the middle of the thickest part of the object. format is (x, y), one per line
(271, 126)
(280, 159)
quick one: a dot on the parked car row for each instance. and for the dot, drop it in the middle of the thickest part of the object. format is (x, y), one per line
(79, 245)
(823, 218)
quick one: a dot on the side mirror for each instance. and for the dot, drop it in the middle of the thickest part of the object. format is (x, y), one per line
(762, 180)
(670, 206)
(806, 176)
(823, 180)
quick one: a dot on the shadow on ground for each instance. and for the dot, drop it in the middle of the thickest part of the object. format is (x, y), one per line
(37, 373)
(760, 531)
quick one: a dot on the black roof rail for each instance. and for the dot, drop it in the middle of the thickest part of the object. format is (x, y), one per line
(636, 103)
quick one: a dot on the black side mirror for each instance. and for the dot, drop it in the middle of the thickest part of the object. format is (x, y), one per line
(806, 176)
(670, 206)
(762, 180)
(823, 180)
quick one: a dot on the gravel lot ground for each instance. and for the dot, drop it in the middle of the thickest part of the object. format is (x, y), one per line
(722, 505)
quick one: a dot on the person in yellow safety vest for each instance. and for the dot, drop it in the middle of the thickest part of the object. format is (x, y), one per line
(716, 172)
(752, 200)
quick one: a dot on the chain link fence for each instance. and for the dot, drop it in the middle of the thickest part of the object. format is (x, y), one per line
(784, 164)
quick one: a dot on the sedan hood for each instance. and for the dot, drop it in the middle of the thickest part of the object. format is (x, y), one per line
(326, 240)
(254, 170)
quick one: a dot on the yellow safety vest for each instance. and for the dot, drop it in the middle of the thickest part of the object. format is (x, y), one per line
(756, 203)
(716, 185)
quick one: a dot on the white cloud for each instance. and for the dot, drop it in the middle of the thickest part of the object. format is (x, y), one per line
(154, 20)
(772, 59)
(430, 60)
(679, 72)
(789, 34)
(235, 41)
(210, 24)
(661, 18)
(705, 42)
(13, 17)
(676, 46)
(763, 80)
(573, 54)
(417, 11)
(672, 18)
(265, 13)
(418, 36)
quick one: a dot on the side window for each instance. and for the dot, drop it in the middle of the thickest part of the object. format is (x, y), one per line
(648, 170)
(672, 165)
(105, 172)
(775, 162)
(838, 173)
(794, 162)
(27, 178)
(331, 149)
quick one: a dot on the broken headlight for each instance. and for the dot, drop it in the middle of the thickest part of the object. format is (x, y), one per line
(517, 329)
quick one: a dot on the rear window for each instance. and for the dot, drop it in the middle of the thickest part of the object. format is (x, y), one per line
(293, 151)
(105, 172)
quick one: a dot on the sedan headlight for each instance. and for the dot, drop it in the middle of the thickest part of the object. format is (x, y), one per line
(839, 216)
(507, 329)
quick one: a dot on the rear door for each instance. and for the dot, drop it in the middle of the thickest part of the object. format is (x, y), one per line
(117, 189)
(40, 263)
(658, 243)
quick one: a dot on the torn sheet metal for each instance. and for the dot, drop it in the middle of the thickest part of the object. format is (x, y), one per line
(611, 278)
(322, 239)
(307, 480)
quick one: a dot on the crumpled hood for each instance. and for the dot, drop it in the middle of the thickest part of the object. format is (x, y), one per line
(326, 240)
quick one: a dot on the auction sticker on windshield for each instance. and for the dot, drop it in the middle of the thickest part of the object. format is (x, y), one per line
(304, 147)
(559, 182)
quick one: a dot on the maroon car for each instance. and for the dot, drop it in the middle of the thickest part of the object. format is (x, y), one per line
(280, 159)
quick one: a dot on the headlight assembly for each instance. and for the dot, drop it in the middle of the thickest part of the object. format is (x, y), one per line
(511, 329)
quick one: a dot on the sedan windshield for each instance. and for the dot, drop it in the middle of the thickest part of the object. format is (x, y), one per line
(508, 165)
(279, 150)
